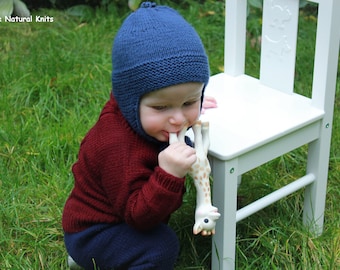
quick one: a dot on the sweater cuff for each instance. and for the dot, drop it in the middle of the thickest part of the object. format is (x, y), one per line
(168, 181)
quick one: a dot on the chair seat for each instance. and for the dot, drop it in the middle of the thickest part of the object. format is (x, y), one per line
(250, 115)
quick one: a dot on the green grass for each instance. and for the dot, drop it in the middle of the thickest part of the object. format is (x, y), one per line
(54, 80)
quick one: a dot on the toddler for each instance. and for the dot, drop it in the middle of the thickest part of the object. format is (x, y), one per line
(128, 179)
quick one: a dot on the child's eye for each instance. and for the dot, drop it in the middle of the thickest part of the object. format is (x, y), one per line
(159, 108)
(190, 103)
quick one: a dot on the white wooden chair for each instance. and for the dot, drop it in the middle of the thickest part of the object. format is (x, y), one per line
(258, 120)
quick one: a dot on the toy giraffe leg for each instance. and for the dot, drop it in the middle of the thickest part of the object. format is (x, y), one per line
(205, 214)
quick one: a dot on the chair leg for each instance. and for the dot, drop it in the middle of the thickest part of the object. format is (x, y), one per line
(225, 198)
(315, 193)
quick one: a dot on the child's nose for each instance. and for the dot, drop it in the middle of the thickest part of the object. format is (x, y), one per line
(177, 117)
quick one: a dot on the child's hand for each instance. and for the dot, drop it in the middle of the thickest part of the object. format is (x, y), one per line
(177, 159)
(208, 102)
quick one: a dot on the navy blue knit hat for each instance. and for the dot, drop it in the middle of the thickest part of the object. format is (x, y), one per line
(154, 48)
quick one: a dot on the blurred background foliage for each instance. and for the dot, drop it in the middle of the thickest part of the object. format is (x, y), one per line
(124, 4)
(85, 9)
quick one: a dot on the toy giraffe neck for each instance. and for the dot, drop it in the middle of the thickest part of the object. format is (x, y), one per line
(202, 190)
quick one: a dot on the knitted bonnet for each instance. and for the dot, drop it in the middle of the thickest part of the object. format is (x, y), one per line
(154, 48)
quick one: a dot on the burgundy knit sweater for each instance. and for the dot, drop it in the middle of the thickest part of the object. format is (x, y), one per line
(117, 178)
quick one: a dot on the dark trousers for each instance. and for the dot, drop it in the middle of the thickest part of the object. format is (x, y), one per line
(106, 246)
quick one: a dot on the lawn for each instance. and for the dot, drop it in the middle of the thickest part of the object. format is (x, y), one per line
(54, 80)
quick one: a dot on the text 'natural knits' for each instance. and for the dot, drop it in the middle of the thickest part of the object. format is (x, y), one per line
(18, 19)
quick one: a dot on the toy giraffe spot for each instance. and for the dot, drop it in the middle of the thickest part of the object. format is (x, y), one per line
(205, 214)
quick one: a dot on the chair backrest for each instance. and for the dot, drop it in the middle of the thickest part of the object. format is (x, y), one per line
(278, 45)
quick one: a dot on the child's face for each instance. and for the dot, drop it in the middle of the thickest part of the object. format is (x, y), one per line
(169, 109)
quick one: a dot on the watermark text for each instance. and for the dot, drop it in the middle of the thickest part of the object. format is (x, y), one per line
(28, 19)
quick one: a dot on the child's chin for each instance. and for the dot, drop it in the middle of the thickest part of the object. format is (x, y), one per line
(163, 137)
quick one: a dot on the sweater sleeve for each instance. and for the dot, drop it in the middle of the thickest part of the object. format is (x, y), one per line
(155, 201)
(143, 194)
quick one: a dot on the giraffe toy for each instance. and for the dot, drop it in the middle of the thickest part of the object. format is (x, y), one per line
(205, 214)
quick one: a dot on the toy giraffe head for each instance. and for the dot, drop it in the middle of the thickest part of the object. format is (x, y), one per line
(205, 214)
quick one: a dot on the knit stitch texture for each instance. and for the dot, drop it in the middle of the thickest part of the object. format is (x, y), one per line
(154, 48)
(117, 179)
